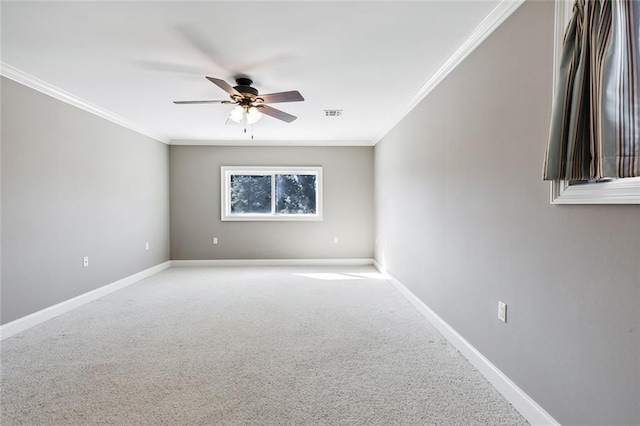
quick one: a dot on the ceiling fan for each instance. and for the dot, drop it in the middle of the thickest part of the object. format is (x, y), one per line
(249, 103)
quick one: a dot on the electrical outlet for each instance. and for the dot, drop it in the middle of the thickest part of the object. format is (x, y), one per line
(502, 311)
(85, 261)
(335, 240)
(146, 246)
(215, 240)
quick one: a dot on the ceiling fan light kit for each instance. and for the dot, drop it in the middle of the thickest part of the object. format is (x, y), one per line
(249, 103)
(237, 114)
(253, 115)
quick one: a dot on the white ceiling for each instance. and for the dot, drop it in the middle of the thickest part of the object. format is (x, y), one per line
(372, 59)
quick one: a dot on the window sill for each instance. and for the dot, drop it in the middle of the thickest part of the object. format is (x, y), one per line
(270, 218)
(620, 191)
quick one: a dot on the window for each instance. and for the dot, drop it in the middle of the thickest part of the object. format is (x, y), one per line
(611, 191)
(271, 193)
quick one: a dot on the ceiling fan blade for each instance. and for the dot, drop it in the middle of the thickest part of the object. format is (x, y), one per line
(276, 113)
(291, 96)
(224, 86)
(201, 102)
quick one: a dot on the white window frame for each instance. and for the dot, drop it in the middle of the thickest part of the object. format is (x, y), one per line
(618, 191)
(225, 178)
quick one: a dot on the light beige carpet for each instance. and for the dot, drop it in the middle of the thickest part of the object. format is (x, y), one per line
(260, 345)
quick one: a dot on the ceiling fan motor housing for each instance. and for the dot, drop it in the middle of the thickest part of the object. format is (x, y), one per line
(244, 87)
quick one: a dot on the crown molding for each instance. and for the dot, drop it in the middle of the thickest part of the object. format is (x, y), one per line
(28, 80)
(497, 16)
(254, 143)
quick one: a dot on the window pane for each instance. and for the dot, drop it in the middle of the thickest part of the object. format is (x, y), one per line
(296, 194)
(250, 194)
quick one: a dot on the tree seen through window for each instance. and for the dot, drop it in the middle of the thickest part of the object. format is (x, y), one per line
(250, 194)
(295, 194)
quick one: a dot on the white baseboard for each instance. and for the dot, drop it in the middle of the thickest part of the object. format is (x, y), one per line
(522, 402)
(21, 324)
(273, 262)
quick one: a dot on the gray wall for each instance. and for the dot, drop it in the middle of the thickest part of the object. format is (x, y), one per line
(74, 185)
(195, 205)
(464, 220)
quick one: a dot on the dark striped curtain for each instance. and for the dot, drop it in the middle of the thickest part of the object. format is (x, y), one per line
(595, 124)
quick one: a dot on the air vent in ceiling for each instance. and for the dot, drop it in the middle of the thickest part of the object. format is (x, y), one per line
(332, 112)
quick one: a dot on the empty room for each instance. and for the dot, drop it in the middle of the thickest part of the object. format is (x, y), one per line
(320, 212)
